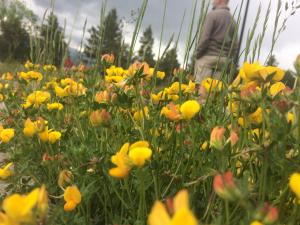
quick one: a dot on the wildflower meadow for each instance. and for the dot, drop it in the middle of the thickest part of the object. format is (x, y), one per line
(129, 143)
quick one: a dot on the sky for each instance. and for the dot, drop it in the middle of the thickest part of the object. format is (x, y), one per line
(73, 13)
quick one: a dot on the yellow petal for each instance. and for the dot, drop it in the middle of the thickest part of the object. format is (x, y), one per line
(119, 172)
(295, 184)
(158, 215)
(139, 144)
(69, 206)
(72, 194)
(189, 109)
(181, 200)
(139, 155)
(184, 216)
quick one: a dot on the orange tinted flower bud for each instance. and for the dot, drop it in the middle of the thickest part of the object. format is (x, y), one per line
(109, 58)
(217, 139)
(102, 97)
(100, 117)
(225, 186)
(234, 138)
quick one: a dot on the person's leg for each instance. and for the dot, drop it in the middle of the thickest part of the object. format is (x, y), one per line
(218, 64)
(203, 69)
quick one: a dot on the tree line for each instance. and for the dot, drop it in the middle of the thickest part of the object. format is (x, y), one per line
(22, 39)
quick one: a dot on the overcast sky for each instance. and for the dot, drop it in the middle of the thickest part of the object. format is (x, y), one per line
(75, 12)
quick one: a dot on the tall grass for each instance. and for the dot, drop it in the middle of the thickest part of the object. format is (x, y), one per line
(177, 162)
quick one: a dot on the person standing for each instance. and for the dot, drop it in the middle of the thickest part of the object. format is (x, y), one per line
(218, 42)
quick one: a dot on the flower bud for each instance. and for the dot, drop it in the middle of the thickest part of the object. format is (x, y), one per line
(100, 117)
(114, 98)
(250, 91)
(108, 58)
(225, 186)
(102, 97)
(217, 139)
(64, 176)
(272, 215)
(234, 138)
(267, 214)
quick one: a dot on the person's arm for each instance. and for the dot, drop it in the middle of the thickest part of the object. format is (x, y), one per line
(205, 36)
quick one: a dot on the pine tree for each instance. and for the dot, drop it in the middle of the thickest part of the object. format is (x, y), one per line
(111, 39)
(272, 61)
(169, 62)
(54, 47)
(145, 52)
(14, 39)
(92, 43)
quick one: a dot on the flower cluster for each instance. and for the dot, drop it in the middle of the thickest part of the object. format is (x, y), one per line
(130, 155)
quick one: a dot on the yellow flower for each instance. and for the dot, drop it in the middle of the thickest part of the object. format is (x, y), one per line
(276, 88)
(72, 197)
(42, 202)
(139, 155)
(256, 223)
(31, 75)
(137, 144)
(182, 213)
(54, 106)
(250, 71)
(295, 184)
(54, 136)
(241, 121)
(257, 116)
(256, 71)
(6, 171)
(189, 109)
(60, 92)
(212, 85)
(157, 97)
(291, 117)
(174, 88)
(161, 75)
(6, 135)
(190, 88)
(44, 136)
(36, 99)
(1, 97)
(29, 128)
(121, 160)
(35, 75)
(115, 71)
(171, 111)
(19, 208)
(30, 65)
(139, 152)
(40, 124)
(204, 146)
(139, 115)
(49, 68)
(278, 74)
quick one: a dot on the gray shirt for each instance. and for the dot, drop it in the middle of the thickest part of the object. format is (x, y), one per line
(219, 36)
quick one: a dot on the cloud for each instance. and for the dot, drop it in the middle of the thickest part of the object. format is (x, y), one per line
(75, 13)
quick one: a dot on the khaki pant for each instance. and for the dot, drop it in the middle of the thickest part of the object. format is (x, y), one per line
(209, 66)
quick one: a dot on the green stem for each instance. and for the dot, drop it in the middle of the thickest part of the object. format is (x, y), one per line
(227, 213)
